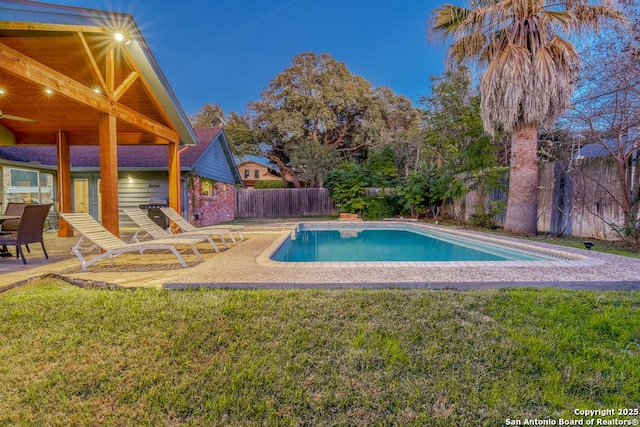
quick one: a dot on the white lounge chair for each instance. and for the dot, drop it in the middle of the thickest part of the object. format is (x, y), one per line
(186, 227)
(100, 237)
(148, 228)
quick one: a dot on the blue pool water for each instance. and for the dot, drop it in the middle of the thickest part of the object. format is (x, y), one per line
(358, 245)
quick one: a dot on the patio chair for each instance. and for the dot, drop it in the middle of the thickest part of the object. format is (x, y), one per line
(185, 227)
(10, 226)
(100, 237)
(29, 230)
(148, 228)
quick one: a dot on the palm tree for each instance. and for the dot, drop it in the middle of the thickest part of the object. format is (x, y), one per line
(529, 70)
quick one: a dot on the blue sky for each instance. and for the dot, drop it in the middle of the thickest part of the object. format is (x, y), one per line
(226, 52)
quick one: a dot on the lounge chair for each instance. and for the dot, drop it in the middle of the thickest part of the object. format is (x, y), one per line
(29, 230)
(184, 225)
(100, 237)
(148, 228)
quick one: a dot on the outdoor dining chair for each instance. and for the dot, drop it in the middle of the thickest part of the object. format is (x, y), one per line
(30, 230)
(10, 226)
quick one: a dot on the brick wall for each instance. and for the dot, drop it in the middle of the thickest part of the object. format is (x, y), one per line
(209, 210)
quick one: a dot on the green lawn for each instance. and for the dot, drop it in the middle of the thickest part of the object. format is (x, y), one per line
(78, 357)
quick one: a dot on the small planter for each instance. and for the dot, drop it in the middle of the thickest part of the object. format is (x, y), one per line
(349, 217)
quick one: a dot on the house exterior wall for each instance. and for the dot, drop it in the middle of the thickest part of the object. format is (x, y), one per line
(213, 164)
(248, 171)
(204, 210)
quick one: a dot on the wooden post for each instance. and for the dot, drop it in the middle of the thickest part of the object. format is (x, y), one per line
(174, 176)
(64, 183)
(109, 172)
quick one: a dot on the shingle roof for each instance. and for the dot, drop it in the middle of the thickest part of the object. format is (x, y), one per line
(129, 156)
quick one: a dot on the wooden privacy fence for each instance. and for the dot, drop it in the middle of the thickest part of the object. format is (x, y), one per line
(283, 202)
(574, 198)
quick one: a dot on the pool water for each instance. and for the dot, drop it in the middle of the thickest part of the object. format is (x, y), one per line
(365, 245)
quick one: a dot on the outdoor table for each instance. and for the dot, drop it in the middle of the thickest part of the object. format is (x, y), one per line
(3, 250)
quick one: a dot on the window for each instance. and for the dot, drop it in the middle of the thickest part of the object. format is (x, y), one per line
(207, 187)
(28, 186)
(246, 173)
(256, 174)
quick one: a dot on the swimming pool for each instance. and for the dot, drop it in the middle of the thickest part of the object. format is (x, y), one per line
(393, 243)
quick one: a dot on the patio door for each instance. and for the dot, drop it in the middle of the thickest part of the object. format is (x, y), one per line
(87, 196)
(81, 195)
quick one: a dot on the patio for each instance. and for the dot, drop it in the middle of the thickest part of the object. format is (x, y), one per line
(237, 267)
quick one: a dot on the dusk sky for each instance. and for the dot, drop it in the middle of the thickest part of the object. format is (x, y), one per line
(226, 52)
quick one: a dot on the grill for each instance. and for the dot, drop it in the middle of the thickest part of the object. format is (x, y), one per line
(154, 212)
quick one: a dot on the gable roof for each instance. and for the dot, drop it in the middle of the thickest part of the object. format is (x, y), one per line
(31, 36)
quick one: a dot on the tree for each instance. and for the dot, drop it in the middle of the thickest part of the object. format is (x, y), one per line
(529, 70)
(242, 138)
(399, 129)
(606, 113)
(314, 113)
(209, 116)
(459, 154)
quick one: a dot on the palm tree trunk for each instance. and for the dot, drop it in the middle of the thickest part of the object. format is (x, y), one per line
(522, 205)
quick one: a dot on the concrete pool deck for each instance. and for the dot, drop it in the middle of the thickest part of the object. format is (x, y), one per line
(239, 267)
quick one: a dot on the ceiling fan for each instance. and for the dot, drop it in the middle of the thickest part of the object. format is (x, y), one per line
(18, 118)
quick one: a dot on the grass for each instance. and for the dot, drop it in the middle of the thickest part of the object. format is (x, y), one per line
(610, 247)
(141, 357)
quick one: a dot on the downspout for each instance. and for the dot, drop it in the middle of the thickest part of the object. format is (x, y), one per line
(180, 151)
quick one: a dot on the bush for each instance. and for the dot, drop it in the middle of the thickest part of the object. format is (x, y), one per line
(260, 185)
(378, 208)
(347, 186)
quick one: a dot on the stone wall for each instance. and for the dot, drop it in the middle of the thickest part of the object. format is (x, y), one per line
(204, 210)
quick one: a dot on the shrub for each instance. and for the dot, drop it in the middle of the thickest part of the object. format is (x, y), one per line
(380, 207)
(270, 184)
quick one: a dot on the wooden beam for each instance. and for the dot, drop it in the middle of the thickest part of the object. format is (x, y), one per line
(33, 26)
(174, 176)
(91, 61)
(34, 72)
(64, 183)
(109, 173)
(125, 85)
(111, 70)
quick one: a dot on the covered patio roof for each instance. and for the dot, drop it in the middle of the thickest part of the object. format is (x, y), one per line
(73, 76)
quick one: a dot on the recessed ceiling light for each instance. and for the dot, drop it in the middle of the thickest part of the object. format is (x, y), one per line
(2, 92)
(118, 36)
(96, 89)
(48, 91)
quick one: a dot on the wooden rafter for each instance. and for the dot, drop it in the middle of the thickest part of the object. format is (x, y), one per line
(126, 84)
(149, 91)
(91, 62)
(35, 72)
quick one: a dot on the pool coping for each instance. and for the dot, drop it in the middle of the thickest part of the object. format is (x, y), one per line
(566, 259)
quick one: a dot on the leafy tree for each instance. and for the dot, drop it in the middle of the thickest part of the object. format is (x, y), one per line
(461, 156)
(208, 116)
(399, 131)
(313, 113)
(242, 138)
(529, 70)
(381, 165)
(414, 193)
(347, 186)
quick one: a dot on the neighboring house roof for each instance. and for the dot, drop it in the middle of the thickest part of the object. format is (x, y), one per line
(211, 157)
(596, 149)
(263, 161)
